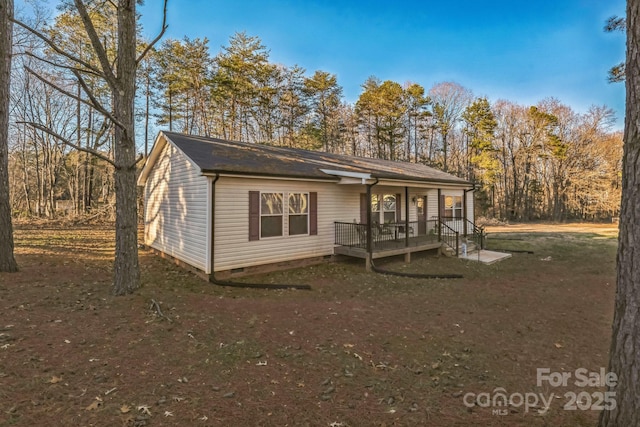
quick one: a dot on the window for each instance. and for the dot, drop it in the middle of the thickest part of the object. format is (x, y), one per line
(375, 207)
(298, 213)
(453, 207)
(271, 214)
(389, 208)
(420, 207)
(384, 207)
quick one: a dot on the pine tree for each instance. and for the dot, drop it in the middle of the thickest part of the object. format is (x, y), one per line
(324, 95)
(625, 343)
(7, 260)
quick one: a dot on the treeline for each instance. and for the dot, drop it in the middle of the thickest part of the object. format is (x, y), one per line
(529, 162)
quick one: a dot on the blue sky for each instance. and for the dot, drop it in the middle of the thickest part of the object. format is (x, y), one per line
(522, 51)
(519, 50)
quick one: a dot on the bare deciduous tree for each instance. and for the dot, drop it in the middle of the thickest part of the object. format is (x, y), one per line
(449, 101)
(120, 77)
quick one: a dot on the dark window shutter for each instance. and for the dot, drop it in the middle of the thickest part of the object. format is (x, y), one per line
(254, 215)
(313, 213)
(424, 208)
(398, 208)
(441, 206)
(363, 208)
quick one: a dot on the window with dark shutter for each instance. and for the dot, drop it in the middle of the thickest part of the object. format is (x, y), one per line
(267, 212)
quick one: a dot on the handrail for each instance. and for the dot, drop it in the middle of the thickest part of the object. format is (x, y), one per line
(478, 234)
(468, 230)
(448, 235)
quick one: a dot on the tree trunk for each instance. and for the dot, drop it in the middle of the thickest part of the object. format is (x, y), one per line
(146, 114)
(444, 151)
(126, 270)
(7, 260)
(625, 345)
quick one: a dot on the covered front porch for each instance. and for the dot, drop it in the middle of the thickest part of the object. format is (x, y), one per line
(404, 238)
(352, 239)
(399, 217)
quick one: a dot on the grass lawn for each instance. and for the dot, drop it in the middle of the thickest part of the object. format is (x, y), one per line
(360, 349)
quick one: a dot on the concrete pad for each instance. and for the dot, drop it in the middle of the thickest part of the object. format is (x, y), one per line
(486, 257)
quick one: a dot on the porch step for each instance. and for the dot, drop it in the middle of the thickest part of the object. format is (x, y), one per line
(451, 252)
(448, 251)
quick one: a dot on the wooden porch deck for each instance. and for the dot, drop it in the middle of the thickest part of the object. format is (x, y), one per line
(392, 247)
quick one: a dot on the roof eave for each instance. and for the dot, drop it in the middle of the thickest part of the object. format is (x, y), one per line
(407, 180)
(213, 172)
(151, 159)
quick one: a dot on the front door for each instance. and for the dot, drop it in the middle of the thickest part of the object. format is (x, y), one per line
(421, 214)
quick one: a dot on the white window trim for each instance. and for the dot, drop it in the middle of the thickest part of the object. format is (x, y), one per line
(285, 215)
(308, 214)
(380, 213)
(281, 215)
(453, 207)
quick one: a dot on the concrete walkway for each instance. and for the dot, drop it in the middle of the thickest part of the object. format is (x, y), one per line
(486, 257)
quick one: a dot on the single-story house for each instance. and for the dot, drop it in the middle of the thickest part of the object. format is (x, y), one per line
(231, 208)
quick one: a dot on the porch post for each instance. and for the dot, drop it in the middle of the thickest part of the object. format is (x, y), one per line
(407, 256)
(439, 215)
(464, 212)
(406, 217)
(369, 236)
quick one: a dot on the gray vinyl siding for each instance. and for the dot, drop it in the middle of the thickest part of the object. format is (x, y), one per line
(176, 214)
(232, 246)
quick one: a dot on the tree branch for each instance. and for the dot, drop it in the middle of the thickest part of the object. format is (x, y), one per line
(59, 51)
(138, 160)
(617, 73)
(93, 104)
(65, 67)
(158, 37)
(107, 70)
(104, 127)
(155, 306)
(97, 105)
(615, 23)
(67, 142)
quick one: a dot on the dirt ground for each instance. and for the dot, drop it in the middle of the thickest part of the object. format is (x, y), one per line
(359, 349)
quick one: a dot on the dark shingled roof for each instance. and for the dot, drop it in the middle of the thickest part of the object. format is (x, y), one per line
(213, 155)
